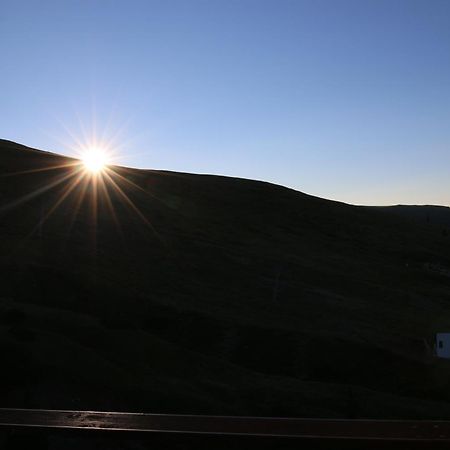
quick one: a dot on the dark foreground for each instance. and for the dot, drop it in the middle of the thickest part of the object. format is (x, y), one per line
(165, 292)
(48, 429)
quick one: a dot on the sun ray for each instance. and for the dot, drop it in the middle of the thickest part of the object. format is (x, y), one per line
(78, 203)
(111, 140)
(87, 137)
(78, 143)
(37, 192)
(106, 196)
(114, 173)
(59, 201)
(94, 206)
(130, 203)
(45, 217)
(41, 169)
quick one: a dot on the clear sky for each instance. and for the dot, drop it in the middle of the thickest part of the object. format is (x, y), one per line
(344, 99)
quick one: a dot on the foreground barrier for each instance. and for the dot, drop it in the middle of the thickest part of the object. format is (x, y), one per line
(254, 432)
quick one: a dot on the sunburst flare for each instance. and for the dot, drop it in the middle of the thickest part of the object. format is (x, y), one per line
(95, 160)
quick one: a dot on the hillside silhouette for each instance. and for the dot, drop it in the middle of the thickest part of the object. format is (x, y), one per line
(187, 293)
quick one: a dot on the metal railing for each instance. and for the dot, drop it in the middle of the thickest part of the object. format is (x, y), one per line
(379, 430)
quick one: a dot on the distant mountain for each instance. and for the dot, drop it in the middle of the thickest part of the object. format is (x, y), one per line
(424, 214)
(169, 292)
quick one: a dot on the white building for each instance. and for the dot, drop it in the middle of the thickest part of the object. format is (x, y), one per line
(443, 345)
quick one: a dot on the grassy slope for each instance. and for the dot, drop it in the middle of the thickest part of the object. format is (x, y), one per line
(184, 315)
(438, 216)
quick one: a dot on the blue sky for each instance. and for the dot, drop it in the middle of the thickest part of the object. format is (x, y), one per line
(343, 99)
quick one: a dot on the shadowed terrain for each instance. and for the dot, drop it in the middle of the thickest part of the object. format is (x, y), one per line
(186, 293)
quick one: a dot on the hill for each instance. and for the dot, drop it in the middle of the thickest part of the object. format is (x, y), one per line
(159, 291)
(424, 214)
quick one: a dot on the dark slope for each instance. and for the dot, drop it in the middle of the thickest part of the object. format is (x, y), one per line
(222, 295)
(430, 215)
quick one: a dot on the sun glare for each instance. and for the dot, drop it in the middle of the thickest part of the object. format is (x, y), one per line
(90, 177)
(95, 160)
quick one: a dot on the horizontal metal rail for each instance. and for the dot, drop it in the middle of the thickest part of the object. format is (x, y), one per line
(392, 430)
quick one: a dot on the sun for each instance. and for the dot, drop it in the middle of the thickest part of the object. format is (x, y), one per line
(95, 160)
